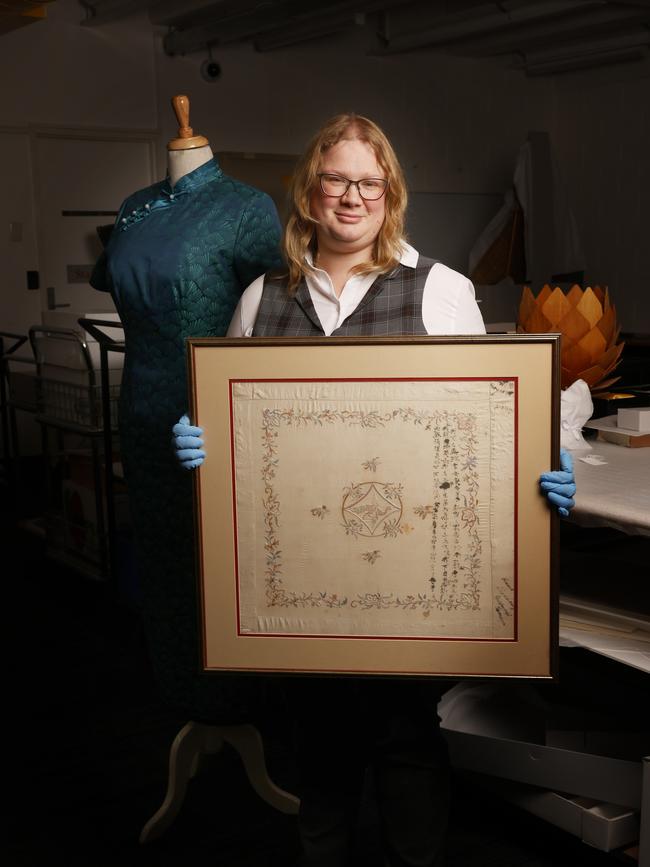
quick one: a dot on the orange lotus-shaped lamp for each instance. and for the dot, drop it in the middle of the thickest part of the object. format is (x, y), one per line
(587, 322)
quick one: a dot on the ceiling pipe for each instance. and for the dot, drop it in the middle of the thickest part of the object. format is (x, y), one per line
(497, 18)
(168, 13)
(294, 35)
(566, 28)
(105, 11)
(582, 62)
(616, 48)
(281, 18)
(614, 42)
(185, 16)
(219, 32)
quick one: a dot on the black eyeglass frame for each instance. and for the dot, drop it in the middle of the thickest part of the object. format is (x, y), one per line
(349, 183)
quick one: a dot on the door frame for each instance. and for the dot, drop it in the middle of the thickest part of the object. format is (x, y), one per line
(37, 132)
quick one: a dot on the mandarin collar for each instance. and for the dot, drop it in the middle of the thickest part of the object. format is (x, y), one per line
(210, 171)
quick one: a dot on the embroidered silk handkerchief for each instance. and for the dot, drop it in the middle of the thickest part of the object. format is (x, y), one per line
(368, 508)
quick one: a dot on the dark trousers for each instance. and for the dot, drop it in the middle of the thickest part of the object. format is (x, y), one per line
(390, 727)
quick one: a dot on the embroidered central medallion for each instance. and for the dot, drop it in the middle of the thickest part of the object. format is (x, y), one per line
(372, 509)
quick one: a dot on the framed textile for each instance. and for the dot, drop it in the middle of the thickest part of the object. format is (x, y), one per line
(371, 506)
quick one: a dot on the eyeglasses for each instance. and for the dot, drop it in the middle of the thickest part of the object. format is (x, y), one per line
(369, 189)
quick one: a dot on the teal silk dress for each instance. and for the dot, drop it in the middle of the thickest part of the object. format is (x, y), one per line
(176, 264)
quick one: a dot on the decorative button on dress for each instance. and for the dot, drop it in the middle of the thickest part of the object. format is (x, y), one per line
(175, 264)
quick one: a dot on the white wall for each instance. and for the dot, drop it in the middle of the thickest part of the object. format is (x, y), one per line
(602, 135)
(19, 307)
(457, 124)
(18, 250)
(56, 72)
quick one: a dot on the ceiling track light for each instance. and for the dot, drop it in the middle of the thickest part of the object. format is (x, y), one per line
(492, 20)
(586, 61)
(620, 41)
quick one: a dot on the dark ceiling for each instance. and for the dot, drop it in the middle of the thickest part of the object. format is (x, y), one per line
(19, 13)
(540, 36)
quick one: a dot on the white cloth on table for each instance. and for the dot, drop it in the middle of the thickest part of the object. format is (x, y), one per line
(576, 408)
(616, 494)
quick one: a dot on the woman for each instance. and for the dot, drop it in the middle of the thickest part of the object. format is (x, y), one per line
(350, 272)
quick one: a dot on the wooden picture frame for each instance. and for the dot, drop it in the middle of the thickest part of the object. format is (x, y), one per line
(371, 506)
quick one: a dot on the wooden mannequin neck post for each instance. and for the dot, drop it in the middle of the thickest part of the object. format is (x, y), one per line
(188, 151)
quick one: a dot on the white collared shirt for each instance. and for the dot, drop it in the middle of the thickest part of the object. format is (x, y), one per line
(448, 302)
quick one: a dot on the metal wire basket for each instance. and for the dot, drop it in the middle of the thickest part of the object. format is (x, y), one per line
(68, 391)
(75, 403)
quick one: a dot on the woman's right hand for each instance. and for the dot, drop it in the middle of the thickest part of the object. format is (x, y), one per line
(187, 443)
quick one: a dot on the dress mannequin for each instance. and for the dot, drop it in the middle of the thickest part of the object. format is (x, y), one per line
(180, 255)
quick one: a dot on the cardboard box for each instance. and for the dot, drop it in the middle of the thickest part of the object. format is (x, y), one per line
(601, 825)
(611, 430)
(596, 797)
(635, 418)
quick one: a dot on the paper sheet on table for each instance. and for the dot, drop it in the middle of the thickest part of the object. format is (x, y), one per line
(631, 648)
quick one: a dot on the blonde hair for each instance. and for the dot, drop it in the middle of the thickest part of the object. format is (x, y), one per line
(300, 231)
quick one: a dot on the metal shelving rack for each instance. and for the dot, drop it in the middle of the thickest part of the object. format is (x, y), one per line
(96, 328)
(70, 401)
(16, 393)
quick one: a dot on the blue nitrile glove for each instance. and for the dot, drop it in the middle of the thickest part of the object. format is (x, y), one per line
(187, 441)
(560, 485)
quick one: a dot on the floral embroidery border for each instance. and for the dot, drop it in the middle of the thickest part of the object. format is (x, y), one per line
(454, 591)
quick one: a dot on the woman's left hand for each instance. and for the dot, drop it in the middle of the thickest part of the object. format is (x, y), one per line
(560, 485)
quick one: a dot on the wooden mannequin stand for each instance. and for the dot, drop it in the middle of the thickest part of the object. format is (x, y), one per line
(187, 152)
(186, 138)
(196, 739)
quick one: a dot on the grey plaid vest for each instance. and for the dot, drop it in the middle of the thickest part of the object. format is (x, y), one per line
(391, 306)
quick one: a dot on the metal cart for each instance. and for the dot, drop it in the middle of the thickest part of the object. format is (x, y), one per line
(17, 392)
(107, 343)
(75, 426)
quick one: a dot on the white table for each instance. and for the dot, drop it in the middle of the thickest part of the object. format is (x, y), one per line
(616, 494)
